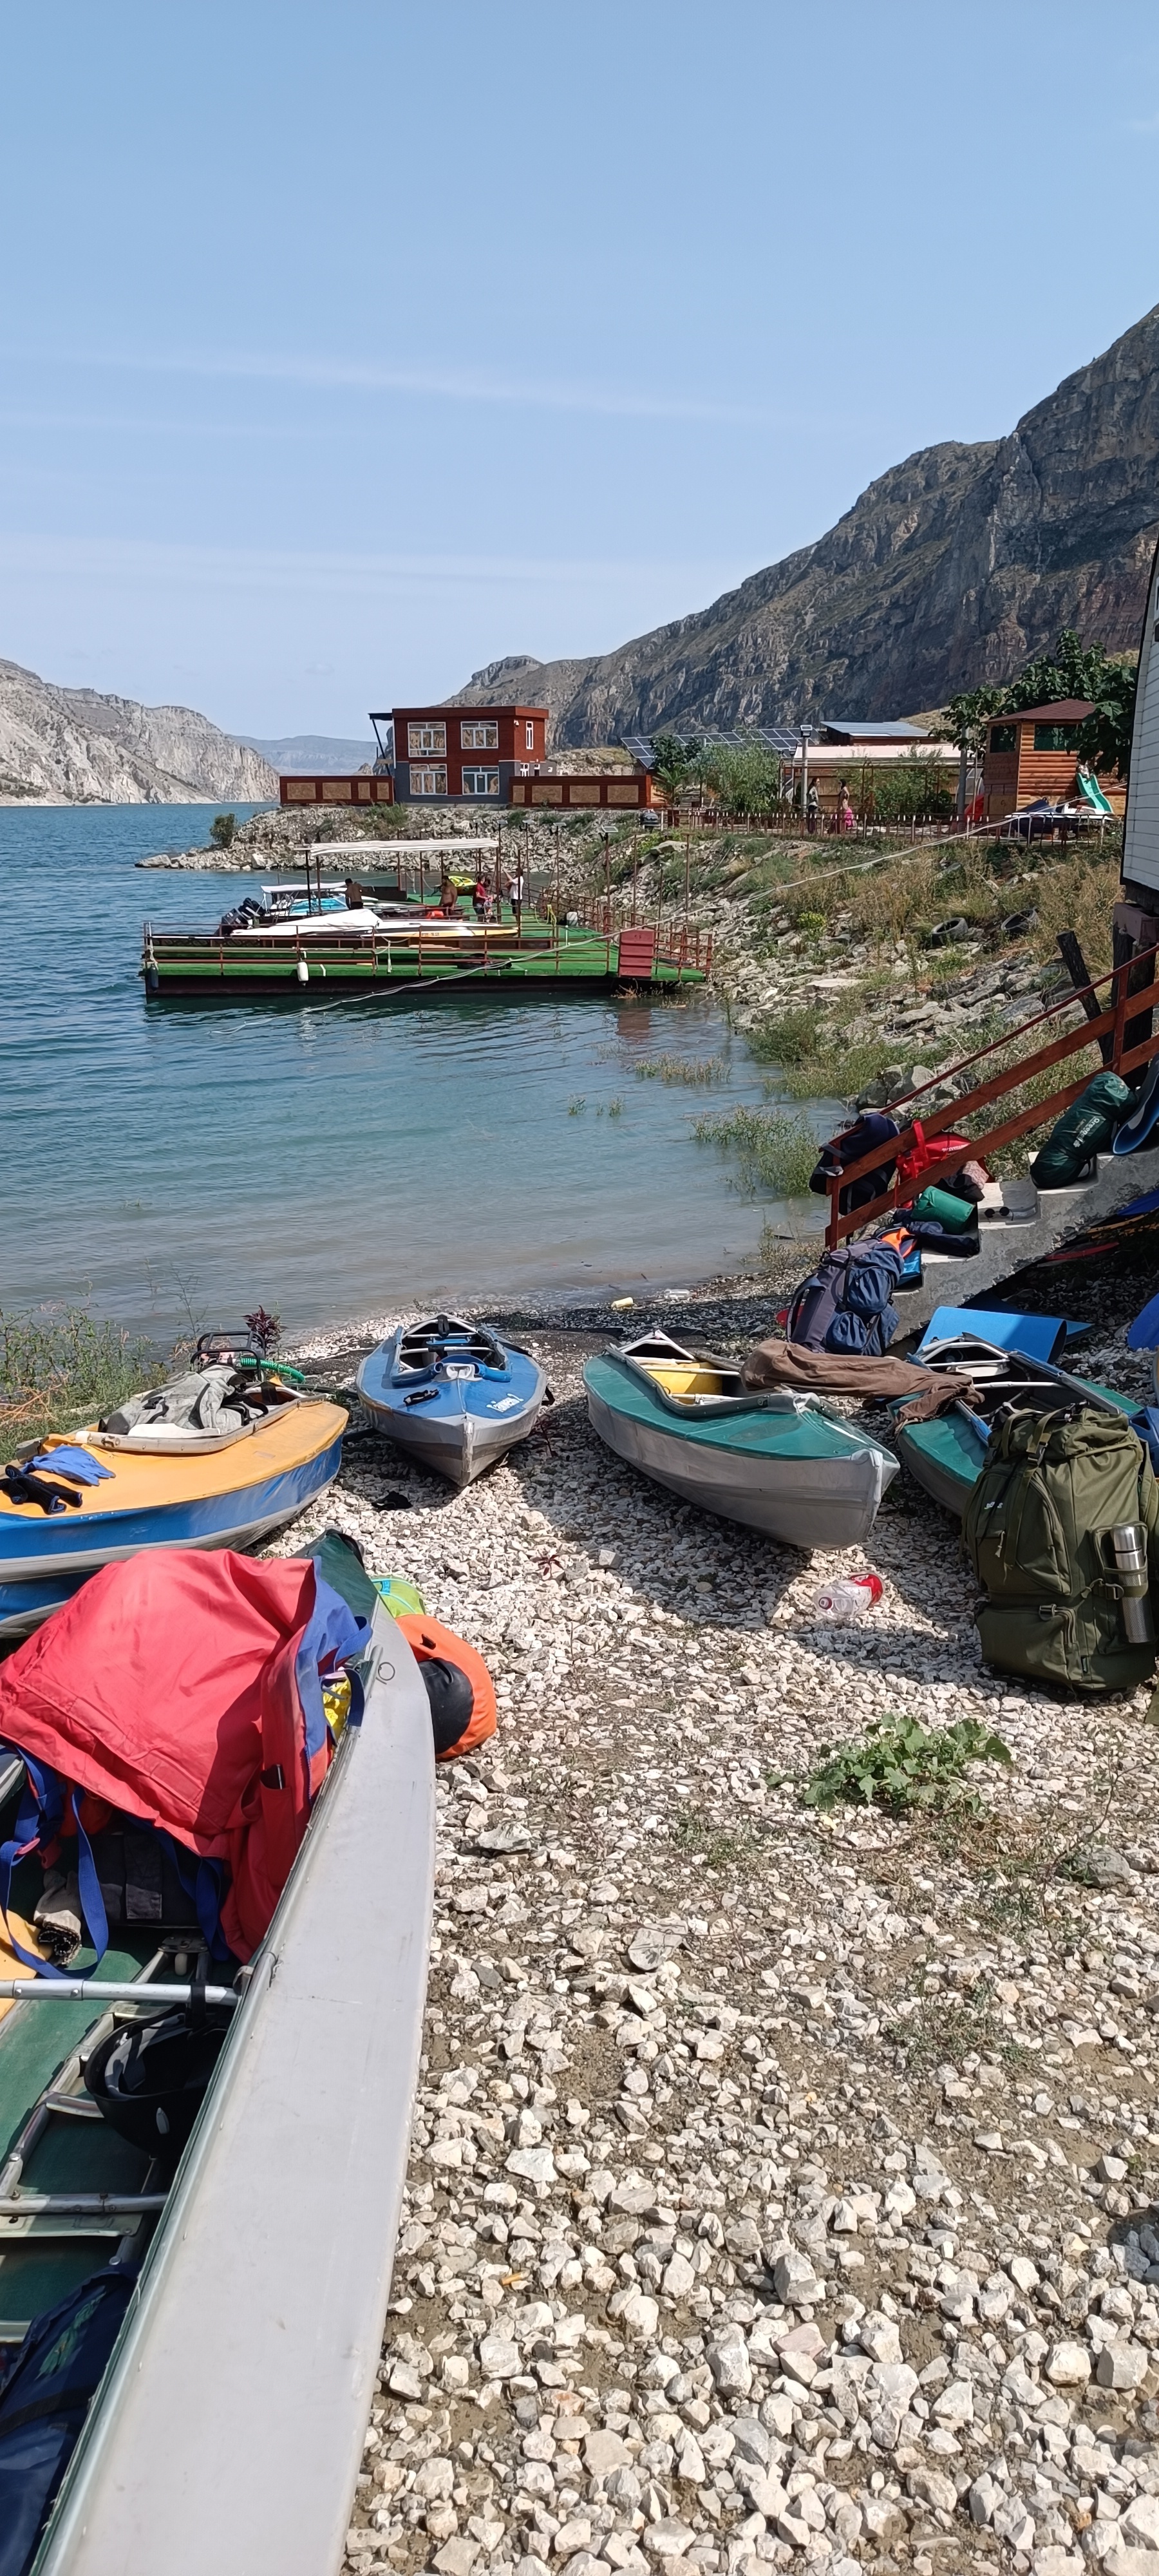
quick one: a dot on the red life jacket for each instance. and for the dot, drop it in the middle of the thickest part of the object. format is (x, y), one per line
(184, 1688)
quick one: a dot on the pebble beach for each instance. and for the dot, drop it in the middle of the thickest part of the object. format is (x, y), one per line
(782, 2181)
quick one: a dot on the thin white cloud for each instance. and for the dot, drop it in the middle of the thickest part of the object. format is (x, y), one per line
(447, 384)
(255, 568)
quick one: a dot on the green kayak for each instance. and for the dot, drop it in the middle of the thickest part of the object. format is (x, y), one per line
(946, 1456)
(778, 1463)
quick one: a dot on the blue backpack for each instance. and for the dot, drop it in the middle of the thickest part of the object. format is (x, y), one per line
(43, 2404)
(846, 1305)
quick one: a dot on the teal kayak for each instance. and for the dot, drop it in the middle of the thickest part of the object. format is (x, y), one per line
(946, 1456)
(776, 1462)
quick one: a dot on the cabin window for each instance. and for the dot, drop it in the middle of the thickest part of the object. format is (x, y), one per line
(1004, 737)
(423, 739)
(428, 782)
(1055, 737)
(529, 735)
(480, 782)
(479, 737)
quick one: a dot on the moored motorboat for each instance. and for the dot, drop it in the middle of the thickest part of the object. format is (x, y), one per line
(776, 1462)
(253, 2280)
(946, 1456)
(453, 1394)
(157, 1483)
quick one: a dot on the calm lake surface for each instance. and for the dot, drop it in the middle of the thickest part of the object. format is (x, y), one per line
(329, 1163)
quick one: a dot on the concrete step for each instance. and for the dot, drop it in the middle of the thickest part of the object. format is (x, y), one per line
(1038, 1220)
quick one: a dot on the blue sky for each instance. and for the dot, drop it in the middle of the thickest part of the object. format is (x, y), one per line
(348, 347)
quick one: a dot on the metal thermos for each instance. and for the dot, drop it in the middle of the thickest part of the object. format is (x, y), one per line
(1128, 1544)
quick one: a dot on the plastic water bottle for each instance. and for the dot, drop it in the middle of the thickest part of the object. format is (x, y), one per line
(849, 1598)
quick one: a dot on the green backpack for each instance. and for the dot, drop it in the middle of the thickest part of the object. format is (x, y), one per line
(1034, 1531)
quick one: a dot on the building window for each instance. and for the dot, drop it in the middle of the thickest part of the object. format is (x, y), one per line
(1004, 737)
(428, 782)
(529, 735)
(423, 739)
(480, 737)
(1055, 737)
(480, 782)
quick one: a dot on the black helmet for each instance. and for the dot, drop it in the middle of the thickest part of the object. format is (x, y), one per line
(149, 2078)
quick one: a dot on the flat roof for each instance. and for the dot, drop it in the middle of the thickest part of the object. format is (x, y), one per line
(468, 713)
(896, 730)
(1061, 711)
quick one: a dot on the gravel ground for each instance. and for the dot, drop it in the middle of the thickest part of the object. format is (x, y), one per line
(782, 2184)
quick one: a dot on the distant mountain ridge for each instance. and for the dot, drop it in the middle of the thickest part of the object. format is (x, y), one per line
(304, 755)
(80, 747)
(950, 570)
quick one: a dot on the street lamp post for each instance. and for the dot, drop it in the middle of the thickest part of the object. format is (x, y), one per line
(806, 733)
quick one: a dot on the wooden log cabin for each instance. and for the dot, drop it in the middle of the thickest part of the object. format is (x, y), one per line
(1034, 753)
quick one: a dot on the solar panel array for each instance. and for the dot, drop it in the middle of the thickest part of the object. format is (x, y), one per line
(769, 737)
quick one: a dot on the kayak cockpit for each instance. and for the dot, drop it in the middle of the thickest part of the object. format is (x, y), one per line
(448, 1349)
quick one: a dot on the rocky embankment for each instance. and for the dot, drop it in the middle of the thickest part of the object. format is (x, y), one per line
(75, 746)
(782, 2185)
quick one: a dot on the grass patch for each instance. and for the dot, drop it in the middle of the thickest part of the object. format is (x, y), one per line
(934, 2028)
(682, 1068)
(774, 1153)
(696, 1836)
(577, 1104)
(902, 1767)
(60, 1367)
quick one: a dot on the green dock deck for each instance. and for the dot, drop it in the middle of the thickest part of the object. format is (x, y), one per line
(500, 959)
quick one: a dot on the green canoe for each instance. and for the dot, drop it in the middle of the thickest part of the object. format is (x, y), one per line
(778, 1463)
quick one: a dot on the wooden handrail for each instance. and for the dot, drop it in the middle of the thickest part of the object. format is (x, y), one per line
(1110, 1023)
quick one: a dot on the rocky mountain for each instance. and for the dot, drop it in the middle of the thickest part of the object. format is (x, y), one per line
(76, 746)
(950, 570)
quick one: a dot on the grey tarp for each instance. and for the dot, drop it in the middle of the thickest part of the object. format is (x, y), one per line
(199, 1402)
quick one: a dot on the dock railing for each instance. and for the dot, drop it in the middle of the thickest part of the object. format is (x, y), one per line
(1108, 1025)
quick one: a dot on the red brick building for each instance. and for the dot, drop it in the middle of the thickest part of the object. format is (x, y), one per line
(464, 755)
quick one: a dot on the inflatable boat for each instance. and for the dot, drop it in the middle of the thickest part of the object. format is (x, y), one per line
(453, 1394)
(227, 1489)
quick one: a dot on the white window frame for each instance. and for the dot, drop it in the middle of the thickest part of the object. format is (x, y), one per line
(529, 734)
(428, 780)
(479, 736)
(490, 782)
(426, 741)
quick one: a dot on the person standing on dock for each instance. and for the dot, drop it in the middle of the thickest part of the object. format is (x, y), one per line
(517, 895)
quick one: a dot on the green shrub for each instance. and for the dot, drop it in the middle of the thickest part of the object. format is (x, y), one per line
(59, 1366)
(900, 1765)
(223, 831)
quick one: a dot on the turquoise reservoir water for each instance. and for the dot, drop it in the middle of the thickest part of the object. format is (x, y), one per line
(331, 1163)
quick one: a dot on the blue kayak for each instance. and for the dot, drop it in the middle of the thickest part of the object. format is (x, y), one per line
(453, 1394)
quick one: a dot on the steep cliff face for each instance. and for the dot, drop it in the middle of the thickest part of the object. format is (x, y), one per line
(950, 570)
(87, 749)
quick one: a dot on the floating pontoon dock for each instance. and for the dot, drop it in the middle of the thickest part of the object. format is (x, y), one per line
(422, 955)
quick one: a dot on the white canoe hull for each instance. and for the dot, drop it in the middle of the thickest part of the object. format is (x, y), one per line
(806, 1503)
(229, 2431)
